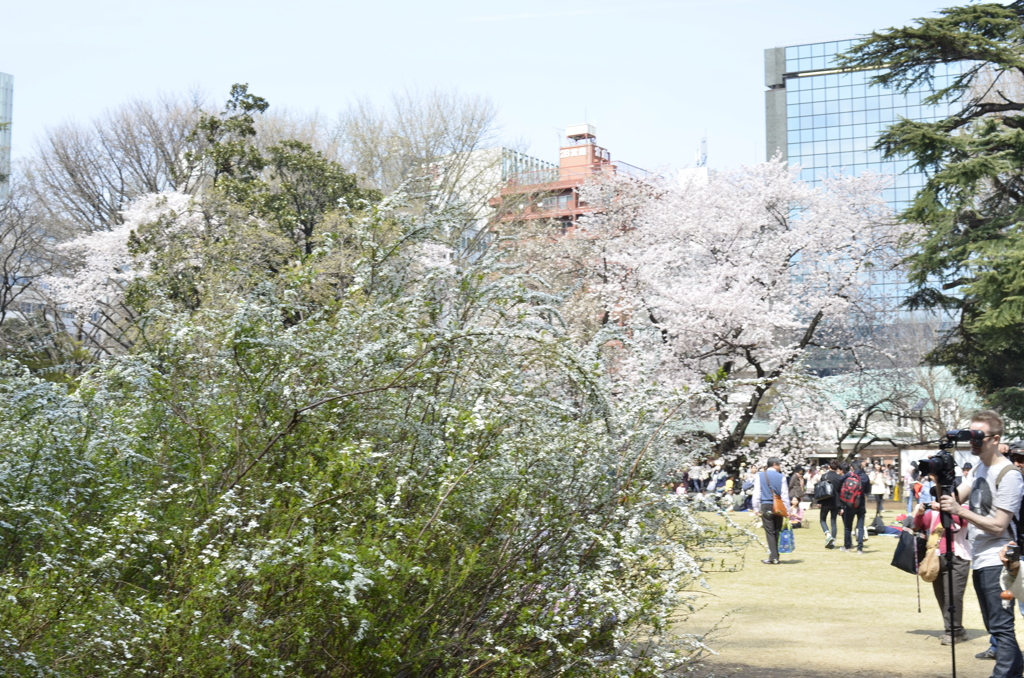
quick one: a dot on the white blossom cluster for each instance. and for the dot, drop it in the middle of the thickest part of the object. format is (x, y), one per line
(728, 284)
(105, 263)
(424, 478)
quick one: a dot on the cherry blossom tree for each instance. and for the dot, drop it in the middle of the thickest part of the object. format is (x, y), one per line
(733, 286)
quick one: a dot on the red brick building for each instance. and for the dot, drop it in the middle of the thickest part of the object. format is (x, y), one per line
(553, 193)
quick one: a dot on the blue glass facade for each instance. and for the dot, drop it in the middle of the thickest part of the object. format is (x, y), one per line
(833, 119)
(826, 121)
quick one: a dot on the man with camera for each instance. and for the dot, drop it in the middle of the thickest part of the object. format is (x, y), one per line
(993, 489)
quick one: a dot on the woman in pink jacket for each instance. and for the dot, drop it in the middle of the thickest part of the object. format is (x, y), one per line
(927, 518)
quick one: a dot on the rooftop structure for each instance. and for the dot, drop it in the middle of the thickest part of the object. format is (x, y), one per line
(552, 193)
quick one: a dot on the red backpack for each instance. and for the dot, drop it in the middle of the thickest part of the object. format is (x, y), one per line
(851, 491)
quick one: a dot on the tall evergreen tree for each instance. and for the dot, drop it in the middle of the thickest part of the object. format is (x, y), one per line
(969, 258)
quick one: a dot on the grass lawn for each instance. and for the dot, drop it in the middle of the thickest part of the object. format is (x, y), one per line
(828, 613)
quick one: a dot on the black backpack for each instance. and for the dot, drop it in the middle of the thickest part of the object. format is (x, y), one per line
(824, 489)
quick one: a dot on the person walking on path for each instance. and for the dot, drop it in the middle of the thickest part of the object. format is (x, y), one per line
(853, 500)
(927, 518)
(993, 489)
(830, 505)
(767, 484)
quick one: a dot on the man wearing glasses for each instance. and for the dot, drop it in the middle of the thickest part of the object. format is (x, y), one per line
(993, 488)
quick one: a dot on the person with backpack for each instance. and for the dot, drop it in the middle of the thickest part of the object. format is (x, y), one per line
(993, 491)
(767, 485)
(826, 495)
(852, 499)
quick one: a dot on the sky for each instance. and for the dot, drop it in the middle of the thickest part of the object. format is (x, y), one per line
(654, 76)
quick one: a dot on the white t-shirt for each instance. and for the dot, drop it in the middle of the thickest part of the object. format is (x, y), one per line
(984, 500)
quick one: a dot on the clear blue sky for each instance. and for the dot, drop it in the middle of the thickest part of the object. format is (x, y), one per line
(652, 75)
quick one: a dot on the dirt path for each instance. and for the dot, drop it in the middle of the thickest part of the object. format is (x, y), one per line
(825, 613)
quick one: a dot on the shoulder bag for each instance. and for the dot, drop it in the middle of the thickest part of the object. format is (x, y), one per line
(928, 569)
(778, 506)
(909, 551)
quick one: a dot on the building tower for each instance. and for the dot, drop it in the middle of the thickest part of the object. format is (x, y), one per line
(553, 193)
(6, 110)
(827, 120)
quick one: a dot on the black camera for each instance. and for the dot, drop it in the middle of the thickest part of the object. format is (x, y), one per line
(1013, 553)
(965, 435)
(942, 466)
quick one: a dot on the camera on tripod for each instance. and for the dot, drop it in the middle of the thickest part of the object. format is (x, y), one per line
(942, 465)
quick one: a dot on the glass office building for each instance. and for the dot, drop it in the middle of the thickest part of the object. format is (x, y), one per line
(6, 110)
(826, 121)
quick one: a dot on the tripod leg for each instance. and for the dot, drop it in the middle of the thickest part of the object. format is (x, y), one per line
(947, 525)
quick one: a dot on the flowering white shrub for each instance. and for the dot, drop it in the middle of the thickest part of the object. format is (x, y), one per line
(423, 478)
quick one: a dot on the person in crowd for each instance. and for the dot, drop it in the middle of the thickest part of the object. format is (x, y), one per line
(853, 499)
(1015, 453)
(964, 470)
(909, 481)
(927, 518)
(718, 479)
(748, 488)
(927, 490)
(796, 514)
(739, 497)
(697, 478)
(796, 483)
(766, 484)
(992, 490)
(810, 482)
(877, 479)
(830, 506)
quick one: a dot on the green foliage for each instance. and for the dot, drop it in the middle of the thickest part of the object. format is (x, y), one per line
(291, 185)
(229, 149)
(971, 208)
(421, 478)
(303, 188)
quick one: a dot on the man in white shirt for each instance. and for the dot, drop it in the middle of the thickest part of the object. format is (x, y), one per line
(993, 488)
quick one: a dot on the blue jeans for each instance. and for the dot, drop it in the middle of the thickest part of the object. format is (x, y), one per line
(848, 515)
(824, 514)
(998, 622)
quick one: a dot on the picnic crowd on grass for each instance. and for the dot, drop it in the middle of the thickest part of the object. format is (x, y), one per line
(981, 510)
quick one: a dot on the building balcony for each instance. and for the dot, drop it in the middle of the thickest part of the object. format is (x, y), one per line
(567, 177)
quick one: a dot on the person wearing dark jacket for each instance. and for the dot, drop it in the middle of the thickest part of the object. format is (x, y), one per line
(857, 509)
(796, 483)
(830, 505)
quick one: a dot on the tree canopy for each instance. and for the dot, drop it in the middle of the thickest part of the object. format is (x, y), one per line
(970, 251)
